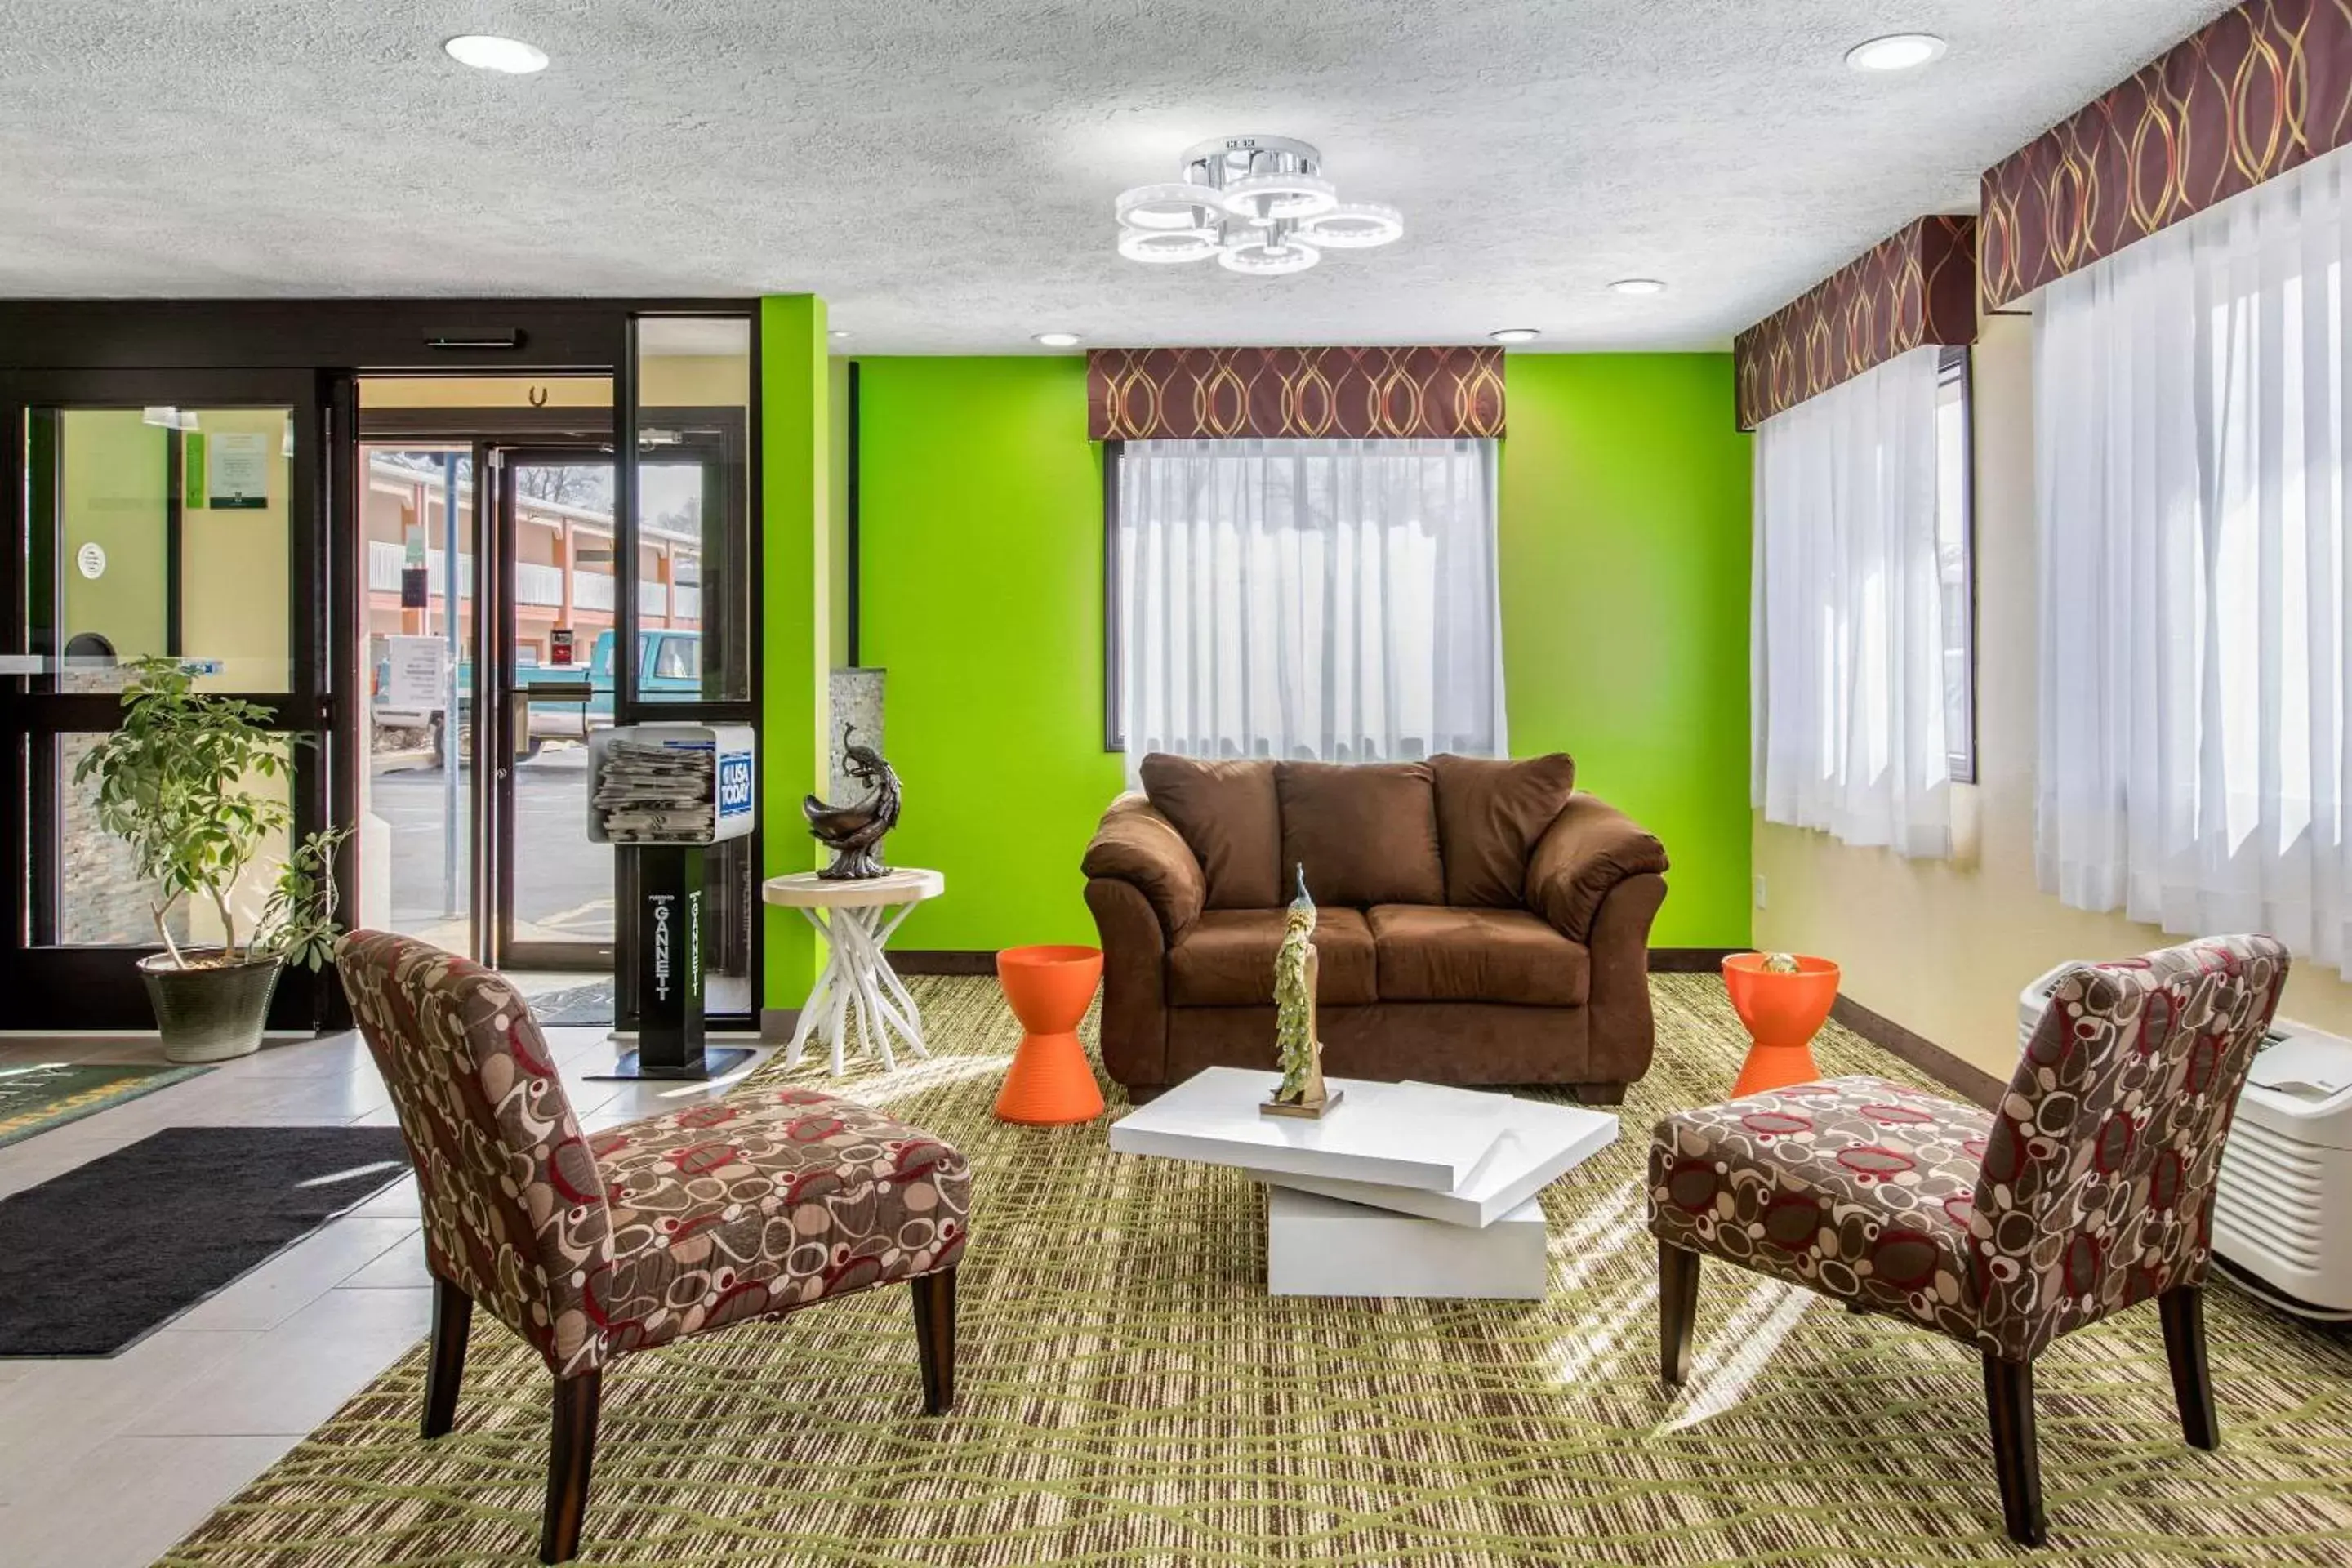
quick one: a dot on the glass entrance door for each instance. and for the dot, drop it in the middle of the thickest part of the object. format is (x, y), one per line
(601, 573)
(491, 595)
(167, 515)
(557, 605)
(420, 574)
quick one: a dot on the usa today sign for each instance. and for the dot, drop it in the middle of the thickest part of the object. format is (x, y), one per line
(733, 779)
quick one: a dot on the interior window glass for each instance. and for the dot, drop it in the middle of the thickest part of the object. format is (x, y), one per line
(694, 395)
(169, 534)
(1956, 563)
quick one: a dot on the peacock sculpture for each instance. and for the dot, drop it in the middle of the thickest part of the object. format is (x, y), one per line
(1302, 1092)
(853, 833)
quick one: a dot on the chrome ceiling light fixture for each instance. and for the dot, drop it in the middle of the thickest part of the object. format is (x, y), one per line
(1259, 204)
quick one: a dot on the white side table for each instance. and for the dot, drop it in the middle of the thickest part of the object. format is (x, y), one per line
(856, 920)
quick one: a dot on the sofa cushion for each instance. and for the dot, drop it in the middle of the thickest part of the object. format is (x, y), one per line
(1225, 959)
(1366, 833)
(1229, 815)
(1490, 812)
(1435, 953)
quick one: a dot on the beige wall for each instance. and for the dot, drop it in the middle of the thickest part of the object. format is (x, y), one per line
(1943, 948)
(236, 583)
(695, 381)
(669, 381)
(486, 392)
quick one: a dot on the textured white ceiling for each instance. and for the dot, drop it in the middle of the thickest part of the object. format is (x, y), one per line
(944, 173)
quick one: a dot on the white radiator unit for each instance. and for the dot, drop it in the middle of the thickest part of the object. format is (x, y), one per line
(2283, 1218)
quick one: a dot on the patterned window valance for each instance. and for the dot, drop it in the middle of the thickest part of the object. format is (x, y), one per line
(1136, 395)
(1915, 288)
(2258, 91)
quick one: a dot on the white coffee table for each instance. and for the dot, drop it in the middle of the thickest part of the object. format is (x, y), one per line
(1402, 1189)
(857, 918)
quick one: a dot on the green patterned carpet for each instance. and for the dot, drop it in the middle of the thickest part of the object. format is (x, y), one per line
(37, 1096)
(1130, 1395)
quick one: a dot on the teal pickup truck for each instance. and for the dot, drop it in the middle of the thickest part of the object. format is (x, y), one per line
(669, 663)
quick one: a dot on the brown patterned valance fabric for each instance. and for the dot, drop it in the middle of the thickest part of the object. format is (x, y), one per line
(2258, 91)
(1138, 394)
(1914, 287)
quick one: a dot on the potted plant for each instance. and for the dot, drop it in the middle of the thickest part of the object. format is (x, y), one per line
(176, 783)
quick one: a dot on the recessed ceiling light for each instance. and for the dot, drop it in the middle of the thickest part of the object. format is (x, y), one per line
(1638, 286)
(839, 333)
(484, 52)
(1895, 52)
(1058, 340)
(1515, 335)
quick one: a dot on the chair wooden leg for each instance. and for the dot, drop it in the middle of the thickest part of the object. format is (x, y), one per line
(452, 1314)
(1677, 1306)
(935, 1314)
(2009, 1399)
(2184, 1347)
(572, 1452)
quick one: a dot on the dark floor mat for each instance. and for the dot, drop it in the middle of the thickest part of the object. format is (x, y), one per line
(92, 1259)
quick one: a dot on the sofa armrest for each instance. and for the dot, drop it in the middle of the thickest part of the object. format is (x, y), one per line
(1620, 1033)
(1134, 1022)
(1590, 847)
(1137, 845)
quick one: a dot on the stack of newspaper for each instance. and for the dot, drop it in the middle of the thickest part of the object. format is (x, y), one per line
(657, 792)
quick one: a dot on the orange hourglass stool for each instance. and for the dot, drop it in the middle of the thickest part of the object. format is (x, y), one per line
(1783, 1012)
(1051, 1082)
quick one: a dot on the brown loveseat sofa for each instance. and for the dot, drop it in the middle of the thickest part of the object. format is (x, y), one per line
(1481, 922)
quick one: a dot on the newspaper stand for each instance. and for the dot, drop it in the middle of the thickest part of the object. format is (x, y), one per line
(662, 794)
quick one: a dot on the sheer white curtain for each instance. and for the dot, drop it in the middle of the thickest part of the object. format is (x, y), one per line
(1334, 600)
(1847, 664)
(2192, 434)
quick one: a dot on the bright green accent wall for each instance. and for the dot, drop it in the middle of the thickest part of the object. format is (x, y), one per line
(1624, 553)
(980, 520)
(1625, 579)
(796, 525)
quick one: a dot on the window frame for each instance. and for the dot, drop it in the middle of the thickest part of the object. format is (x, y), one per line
(1114, 634)
(1955, 369)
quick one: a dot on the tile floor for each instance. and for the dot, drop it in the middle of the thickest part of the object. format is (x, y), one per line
(104, 1464)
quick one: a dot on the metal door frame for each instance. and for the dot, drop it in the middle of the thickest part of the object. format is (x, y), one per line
(50, 986)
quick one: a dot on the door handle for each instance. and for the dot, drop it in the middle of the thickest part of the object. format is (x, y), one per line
(583, 692)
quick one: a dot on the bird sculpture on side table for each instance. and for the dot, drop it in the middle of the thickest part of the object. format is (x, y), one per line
(853, 833)
(1302, 1092)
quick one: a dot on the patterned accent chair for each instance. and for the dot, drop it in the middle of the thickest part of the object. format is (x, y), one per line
(2088, 1190)
(594, 1246)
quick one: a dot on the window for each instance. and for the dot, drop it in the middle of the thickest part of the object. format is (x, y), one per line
(1859, 622)
(1955, 547)
(677, 657)
(2195, 760)
(1333, 600)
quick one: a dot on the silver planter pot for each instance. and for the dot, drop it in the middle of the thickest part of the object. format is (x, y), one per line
(210, 1014)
